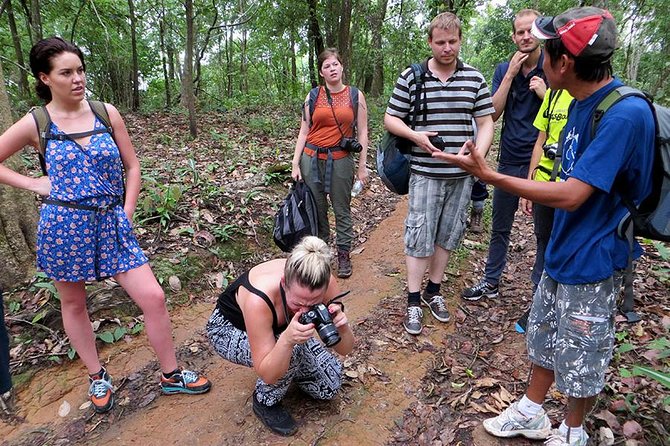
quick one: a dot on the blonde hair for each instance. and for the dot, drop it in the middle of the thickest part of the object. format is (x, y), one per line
(447, 21)
(524, 13)
(308, 264)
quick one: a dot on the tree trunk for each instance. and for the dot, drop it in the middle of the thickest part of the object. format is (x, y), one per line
(18, 216)
(166, 78)
(187, 79)
(343, 42)
(35, 21)
(294, 66)
(314, 36)
(16, 40)
(377, 87)
(136, 66)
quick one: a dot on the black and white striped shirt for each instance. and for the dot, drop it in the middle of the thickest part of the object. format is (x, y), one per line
(449, 110)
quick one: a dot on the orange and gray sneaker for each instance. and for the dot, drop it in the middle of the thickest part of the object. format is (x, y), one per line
(184, 381)
(101, 391)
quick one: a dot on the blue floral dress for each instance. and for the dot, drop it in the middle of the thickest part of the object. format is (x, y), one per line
(78, 244)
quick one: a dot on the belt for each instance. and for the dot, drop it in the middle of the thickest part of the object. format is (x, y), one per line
(325, 184)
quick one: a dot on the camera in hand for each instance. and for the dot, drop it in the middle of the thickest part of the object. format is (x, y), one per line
(320, 316)
(438, 142)
(550, 151)
(350, 145)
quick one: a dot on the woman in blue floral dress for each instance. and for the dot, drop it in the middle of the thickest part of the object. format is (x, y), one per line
(85, 230)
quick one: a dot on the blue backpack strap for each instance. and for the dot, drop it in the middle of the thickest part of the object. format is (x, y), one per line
(419, 70)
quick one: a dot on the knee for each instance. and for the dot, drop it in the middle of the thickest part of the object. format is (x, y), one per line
(153, 301)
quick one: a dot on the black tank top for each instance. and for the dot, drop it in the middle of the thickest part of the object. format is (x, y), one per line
(228, 307)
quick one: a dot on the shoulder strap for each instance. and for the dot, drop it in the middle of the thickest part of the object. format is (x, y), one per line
(313, 96)
(100, 111)
(43, 123)
(551, 106)
(608, 101)
(353, 92)
(419, 70)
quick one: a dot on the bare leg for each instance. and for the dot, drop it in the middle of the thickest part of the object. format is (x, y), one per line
(541, 380)
(416, 268)
(143, 288)
(577, 410)
(77, 323)
(438, 263)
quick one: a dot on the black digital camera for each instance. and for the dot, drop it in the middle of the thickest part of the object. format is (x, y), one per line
(350, 145)
(550, 151)
(320, 316)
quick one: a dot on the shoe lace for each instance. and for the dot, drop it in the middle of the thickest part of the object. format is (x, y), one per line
(99, 387)
(414, 315)
(556, 439)
(480, 286)
(438, 301)
(189, 376)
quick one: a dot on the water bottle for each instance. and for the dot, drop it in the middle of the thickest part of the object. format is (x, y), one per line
(356, 188)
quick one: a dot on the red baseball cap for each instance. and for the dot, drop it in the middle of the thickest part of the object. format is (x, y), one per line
(588, 31)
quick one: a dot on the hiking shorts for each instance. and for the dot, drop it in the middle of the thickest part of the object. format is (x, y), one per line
(437, 214)
(571, 331)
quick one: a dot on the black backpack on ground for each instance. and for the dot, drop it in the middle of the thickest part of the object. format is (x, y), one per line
(393, 152)
(296, 217)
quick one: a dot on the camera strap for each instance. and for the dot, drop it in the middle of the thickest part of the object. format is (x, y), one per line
(283, 301)
(336, 299)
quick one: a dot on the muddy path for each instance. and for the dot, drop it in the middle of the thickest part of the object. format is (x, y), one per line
(383, 377)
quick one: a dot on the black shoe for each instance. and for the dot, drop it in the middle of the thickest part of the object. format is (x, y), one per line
(482, 289)
(275, 417)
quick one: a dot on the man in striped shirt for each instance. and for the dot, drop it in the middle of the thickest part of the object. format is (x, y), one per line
(453, 93)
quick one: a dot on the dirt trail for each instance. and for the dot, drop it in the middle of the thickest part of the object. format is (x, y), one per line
(386, 379)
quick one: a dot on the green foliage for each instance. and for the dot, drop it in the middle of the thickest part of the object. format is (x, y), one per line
(158, 202)
(185, 267)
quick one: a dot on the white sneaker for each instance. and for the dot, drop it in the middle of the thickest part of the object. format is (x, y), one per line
(512, 423)
(558, 439)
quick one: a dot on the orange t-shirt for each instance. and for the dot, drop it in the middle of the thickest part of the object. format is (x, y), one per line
(324, 131)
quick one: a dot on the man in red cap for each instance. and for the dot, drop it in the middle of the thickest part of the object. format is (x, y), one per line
(570, 334)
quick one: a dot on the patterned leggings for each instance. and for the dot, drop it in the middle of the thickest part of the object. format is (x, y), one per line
(313, 368)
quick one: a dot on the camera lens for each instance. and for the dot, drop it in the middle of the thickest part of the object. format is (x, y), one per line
(329, 334)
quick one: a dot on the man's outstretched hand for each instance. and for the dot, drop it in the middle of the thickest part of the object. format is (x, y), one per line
(468, 158)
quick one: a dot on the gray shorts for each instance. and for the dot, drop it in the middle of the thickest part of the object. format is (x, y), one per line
(437, 214)
(571, 331)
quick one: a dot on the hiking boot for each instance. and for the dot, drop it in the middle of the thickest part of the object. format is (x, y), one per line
(482, 289)
(185, 381)
(436, 304)
(343, 264)
(7, 406)
(512, 423)
(275, 417)
(412, 321)
(476, 220)
(101, 391)
(558, 439)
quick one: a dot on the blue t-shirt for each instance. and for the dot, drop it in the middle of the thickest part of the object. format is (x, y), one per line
(584, 247)
(519, 134)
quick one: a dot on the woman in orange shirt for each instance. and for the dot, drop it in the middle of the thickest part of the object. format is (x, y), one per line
(330, 132)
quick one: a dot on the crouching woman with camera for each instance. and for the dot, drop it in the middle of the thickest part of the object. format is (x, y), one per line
(268, 318)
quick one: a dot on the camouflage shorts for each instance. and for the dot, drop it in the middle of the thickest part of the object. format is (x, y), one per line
(571, 331)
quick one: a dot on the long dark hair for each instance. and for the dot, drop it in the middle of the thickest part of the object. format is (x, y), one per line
(41, 55)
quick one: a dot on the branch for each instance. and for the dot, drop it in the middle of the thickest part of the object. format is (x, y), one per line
(241, 21)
